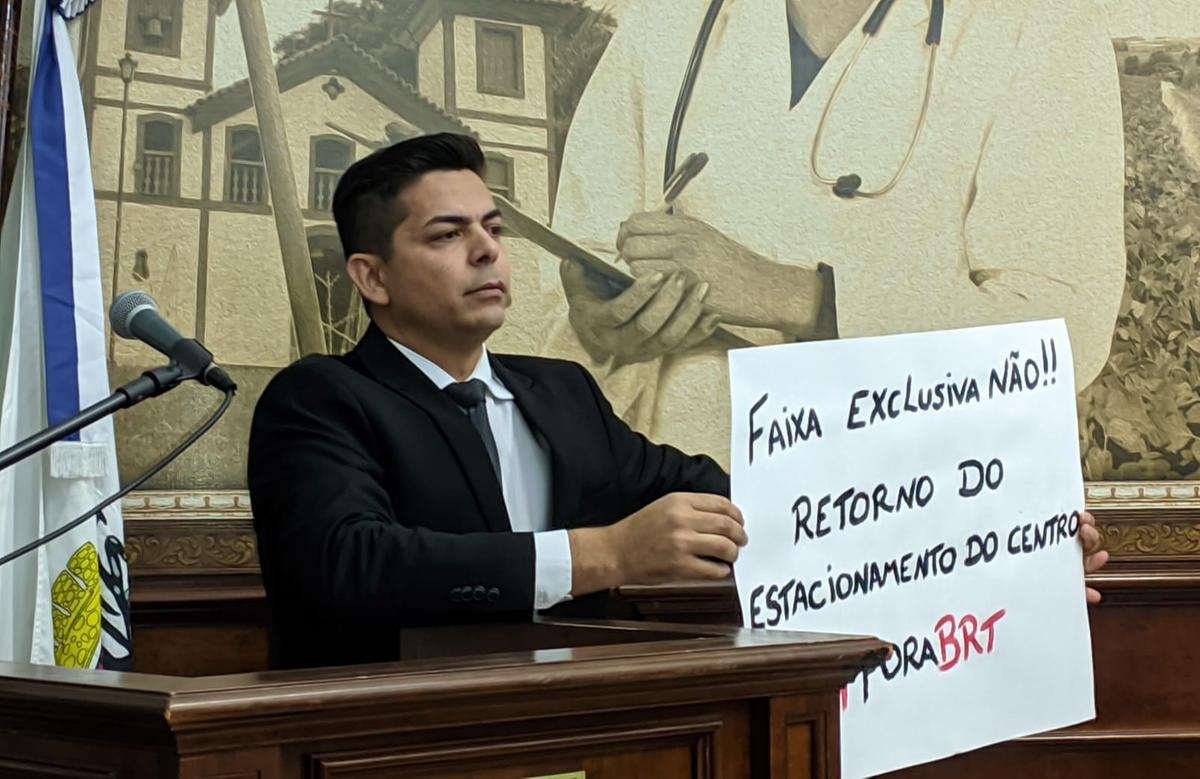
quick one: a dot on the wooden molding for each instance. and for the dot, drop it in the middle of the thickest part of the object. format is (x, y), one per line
(1148, 521)
(1144, 496)
(1101, 496)
(192, 533)
(171, 504)
(192, 552)
(191, 547)
(1139, 520)
(1152, 538)
(696, 732)
(1096, 737)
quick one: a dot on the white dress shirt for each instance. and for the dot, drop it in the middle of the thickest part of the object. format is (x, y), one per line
(524, 477)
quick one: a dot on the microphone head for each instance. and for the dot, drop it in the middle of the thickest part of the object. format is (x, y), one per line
(125, 307)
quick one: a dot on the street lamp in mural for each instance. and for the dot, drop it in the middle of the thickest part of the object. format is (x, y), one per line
(128, 67)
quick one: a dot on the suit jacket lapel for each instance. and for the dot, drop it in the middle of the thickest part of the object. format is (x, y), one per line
(537, 406)
(392, 369)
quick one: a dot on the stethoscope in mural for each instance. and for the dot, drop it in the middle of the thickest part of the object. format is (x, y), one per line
(846, 186)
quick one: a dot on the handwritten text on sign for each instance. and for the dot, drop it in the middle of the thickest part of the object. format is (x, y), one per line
(924, 489)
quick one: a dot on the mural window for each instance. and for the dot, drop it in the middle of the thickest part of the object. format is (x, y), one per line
(499, 59)
(329, 159)
(154, 26)
(247, 179)
(500, 175)
(343, 317)
(156, 171)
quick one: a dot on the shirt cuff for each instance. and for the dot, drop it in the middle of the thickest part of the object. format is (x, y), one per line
(552, 568)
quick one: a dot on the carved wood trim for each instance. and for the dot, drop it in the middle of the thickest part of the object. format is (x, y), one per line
(1182, 497)
(171, 504)
(1144, 496)
(1152, 538)
(190, 547)
(189, 533)
(187, 549)
(1144, 520)
(191, 552)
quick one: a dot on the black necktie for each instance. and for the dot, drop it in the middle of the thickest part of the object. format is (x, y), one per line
(470, 396)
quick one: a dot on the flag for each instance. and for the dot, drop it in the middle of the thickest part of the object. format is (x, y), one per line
(67, 603)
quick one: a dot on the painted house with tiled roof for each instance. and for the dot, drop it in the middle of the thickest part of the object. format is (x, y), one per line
(182, 197)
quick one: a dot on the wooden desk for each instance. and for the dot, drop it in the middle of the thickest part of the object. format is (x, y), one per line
(617, 700)
(198, 603)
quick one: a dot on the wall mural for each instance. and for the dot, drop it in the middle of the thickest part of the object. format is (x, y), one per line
(1141, 416)
(1042, 160)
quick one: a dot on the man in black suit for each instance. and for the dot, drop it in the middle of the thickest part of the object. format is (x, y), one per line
(420, 479)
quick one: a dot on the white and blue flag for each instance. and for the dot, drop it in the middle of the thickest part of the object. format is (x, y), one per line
(67, 603)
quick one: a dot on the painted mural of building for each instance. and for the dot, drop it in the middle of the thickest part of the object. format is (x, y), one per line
(182, 198)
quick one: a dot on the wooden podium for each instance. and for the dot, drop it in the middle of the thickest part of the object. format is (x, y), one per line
(594, 699)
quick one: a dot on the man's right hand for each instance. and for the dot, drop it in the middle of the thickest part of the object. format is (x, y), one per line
(657, 315)
(680, 536)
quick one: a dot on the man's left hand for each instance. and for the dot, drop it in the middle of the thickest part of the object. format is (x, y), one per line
(1094, 558)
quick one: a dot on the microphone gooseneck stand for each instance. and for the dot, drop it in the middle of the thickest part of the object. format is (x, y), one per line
(150, 384)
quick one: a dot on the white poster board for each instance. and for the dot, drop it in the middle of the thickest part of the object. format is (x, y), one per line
(924, 489)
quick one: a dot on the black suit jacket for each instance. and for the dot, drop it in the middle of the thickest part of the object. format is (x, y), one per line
(376, 506)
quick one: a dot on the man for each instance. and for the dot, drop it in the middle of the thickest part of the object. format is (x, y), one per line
(420, 479)
(379, 500)
(1006, 205)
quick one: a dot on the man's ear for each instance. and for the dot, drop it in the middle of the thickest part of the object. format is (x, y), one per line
(366, 273)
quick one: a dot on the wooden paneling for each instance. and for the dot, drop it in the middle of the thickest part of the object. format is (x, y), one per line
(1147, 707)
(801, 762)
(1033, 760)
(667, 746)
(798, 727)
(44, 757)
(208, 649)
(1147, 695)
(23, 769)
(1146, 660)
(198, 609)
(655, 701)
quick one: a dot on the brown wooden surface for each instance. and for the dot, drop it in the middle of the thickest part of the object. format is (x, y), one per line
(613, 699)
(1145, 658)
(197, 606)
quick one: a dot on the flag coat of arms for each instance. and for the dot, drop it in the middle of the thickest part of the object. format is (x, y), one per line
(67, 602)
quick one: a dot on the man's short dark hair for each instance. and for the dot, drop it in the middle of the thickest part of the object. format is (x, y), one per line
(366, 203)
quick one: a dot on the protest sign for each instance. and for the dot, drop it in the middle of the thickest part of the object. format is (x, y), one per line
(925, 489)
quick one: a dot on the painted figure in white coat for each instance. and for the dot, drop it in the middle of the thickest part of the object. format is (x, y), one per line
(1007, 207)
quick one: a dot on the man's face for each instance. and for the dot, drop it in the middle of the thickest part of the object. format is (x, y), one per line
(448, 274)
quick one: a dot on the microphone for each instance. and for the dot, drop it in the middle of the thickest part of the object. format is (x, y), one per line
(134, 315)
